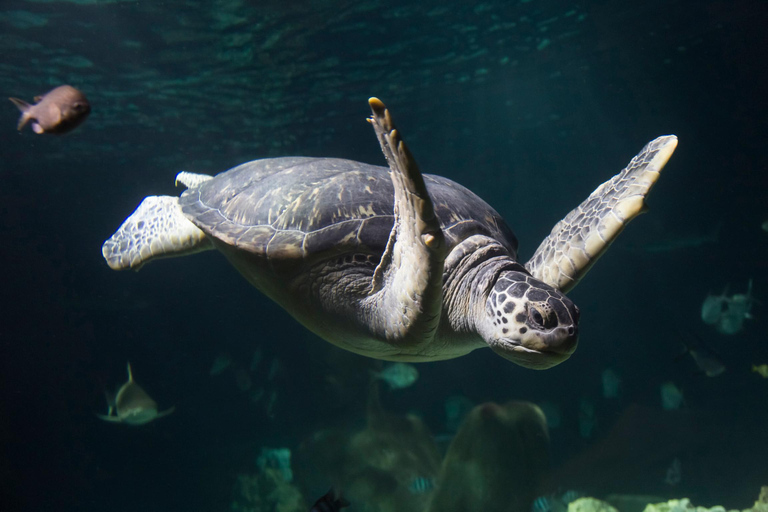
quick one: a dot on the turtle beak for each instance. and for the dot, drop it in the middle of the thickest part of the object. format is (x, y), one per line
(534, 354)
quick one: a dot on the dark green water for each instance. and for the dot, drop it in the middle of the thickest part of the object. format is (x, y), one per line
(529, 104)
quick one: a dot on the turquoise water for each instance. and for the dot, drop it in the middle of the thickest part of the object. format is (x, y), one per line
(529, 104)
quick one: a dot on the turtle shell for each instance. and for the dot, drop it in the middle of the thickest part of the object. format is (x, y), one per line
(311, 209)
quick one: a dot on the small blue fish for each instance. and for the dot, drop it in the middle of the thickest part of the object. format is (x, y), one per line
(672, 397)
(398, 375)
(329, 503)
(421, 485)
(543, 504)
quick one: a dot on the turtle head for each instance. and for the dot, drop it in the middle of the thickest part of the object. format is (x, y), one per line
(529, 322)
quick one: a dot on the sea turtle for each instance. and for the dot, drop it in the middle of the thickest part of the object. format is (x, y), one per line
(390, 263)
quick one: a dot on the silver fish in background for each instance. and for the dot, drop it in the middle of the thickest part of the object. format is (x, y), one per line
(58, 111)
(703, 355)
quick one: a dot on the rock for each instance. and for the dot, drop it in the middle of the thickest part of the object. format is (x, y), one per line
(496, 462)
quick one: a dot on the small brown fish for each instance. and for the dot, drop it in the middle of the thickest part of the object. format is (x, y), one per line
(58, 111)
(762, 370)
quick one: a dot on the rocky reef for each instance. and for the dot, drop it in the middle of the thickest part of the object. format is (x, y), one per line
(267, 491)
(496, 462)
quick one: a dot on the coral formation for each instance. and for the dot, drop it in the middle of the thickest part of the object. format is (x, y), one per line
(590, 505)
(276, 458)
(677, 505)
(267, 491)
(761, 505)
(681, 505)
(685, 505)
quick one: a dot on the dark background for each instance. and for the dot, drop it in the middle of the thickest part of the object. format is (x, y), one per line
(530, 104)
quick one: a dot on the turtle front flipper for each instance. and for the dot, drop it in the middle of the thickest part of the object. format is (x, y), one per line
(405, 300)
(157, 229)
(577, 241)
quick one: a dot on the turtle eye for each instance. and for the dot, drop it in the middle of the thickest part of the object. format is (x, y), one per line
(535, 316)
(542, 316)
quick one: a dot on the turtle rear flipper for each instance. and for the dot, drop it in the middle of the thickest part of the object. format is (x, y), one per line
(157, 229)
(577, 241)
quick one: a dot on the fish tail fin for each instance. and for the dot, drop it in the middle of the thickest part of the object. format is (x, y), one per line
(110, 402)
(20, 104)
(130, 374)
(166, 412)
(24, 107)
(110, 418)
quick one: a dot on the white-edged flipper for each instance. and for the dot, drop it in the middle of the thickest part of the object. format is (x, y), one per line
(157, 229)
(577, 241)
